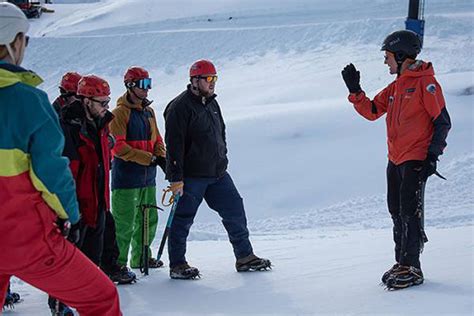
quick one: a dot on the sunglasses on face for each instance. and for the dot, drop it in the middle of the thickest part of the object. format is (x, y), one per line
(27, 40)
(103, 103)
(209, 79)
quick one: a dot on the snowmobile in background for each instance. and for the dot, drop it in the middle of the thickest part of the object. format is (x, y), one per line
(32, 9)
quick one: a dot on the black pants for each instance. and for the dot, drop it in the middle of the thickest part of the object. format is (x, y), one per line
(405, 204)
(92, 239)
(111, 250)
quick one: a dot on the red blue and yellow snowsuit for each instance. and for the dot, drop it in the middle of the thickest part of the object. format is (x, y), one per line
(36, 186)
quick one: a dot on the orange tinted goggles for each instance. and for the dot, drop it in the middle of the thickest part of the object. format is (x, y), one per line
(209, 79)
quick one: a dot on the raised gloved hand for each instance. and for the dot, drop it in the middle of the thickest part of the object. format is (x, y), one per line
(351, 77)
(428, 167)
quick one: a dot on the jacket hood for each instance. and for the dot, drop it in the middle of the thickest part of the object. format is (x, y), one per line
(12, 74)
(419, 69)
(124, 100)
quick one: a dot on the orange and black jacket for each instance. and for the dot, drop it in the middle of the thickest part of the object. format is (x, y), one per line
(88, 149)
(137, 141)
(417, 120)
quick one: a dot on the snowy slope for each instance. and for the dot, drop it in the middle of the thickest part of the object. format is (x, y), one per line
(311, 171)
(314, 274)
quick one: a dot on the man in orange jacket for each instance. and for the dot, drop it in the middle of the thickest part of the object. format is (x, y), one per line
(417, 126)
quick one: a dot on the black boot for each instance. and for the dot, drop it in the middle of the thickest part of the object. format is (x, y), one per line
(11, 299)
(389, 272)
(122, 275)
(155, 264)
(404, 277)
(184, 272)
(58, 308)
(252, 263)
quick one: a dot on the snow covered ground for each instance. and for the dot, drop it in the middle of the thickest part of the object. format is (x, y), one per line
(311, 171)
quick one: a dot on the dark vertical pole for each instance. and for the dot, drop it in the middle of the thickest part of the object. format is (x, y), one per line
(415, 21)
(414, 9)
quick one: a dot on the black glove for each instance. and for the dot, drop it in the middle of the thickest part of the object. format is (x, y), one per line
(71, 232)
(64, 226)
(351, 77)
(159, 161)
(428, 166)
(75, 233)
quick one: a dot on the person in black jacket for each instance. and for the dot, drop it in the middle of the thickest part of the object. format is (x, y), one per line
(197, 169)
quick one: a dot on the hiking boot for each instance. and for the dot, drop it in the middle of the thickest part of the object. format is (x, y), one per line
(59, 309)
(252, 263)
(152, 264)
(10, 299)
(387, 273)
(184, 272)
(155, 264)
(404, 277)
(122, 275)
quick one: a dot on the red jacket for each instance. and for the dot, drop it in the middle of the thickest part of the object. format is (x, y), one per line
(90, 165)
(417, 120)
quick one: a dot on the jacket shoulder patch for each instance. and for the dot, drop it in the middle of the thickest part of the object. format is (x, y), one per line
(431, 88)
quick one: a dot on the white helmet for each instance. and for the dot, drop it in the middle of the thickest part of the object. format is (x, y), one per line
(12, 22)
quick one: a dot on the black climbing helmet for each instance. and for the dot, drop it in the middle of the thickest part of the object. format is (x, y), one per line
(403, 44)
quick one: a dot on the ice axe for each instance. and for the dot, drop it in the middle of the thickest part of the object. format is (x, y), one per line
(174, 199)
(145, 259)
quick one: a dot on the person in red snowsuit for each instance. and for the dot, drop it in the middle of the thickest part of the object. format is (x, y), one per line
(37, 192)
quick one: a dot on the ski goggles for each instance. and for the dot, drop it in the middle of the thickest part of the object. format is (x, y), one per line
(143, 84)
(209, 79)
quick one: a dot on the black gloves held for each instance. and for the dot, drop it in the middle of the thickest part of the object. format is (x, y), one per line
(428, 167)
(71, 232)
(351, 77)
(64, 226)
(75, 233)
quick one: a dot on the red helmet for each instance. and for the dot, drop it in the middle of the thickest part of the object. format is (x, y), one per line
(93, 86)
(202, 67)
(69, 81)
(135, 73)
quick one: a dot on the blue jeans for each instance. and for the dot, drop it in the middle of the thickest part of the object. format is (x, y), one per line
(222, 196)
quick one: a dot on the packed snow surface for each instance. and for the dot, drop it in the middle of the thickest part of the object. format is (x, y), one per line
(310, 169)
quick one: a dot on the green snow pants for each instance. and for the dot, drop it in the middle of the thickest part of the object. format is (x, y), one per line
(129, 221)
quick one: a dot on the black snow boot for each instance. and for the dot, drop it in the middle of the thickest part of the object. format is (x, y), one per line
(252, 263)
(11, 299)
(59, 309)
(155, 264)
(404, 277)
(184, 272)
(152, 264)
(122, 275)
(389, 272)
